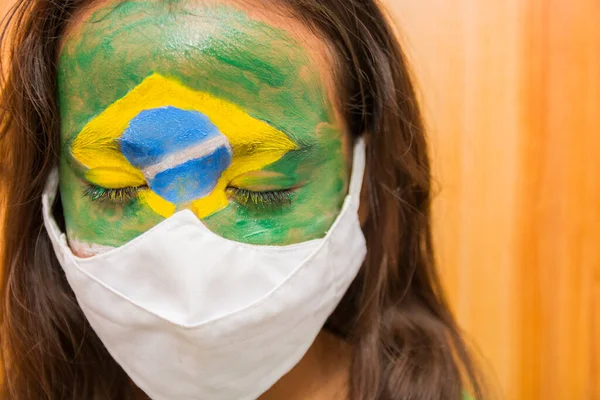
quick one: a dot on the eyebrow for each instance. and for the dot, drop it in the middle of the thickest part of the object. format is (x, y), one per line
(246, 147)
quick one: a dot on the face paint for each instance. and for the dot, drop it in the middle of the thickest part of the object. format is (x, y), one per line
(186, 145)
(181, 153)
(179, 105)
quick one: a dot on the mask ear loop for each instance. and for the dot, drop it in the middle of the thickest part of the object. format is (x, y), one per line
(48, 198)
(358, 170)
(51, 187)
(52, 226)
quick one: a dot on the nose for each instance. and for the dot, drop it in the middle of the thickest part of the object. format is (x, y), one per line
(181, 153)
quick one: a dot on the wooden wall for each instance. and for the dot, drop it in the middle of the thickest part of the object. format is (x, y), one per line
(4, 5)
(511, 90)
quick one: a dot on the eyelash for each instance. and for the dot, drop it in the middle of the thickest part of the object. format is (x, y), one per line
(247, 198)
(261, 200)
(119, 195)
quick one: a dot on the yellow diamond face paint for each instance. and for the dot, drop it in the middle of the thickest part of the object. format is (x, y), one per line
(252, 144)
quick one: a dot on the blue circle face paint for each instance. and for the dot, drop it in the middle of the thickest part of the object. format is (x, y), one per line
(181, 153)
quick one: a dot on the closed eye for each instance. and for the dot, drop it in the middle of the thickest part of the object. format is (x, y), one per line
(261, 199)
(118, 195)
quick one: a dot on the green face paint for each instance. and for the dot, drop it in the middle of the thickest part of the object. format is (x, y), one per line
(221, 53)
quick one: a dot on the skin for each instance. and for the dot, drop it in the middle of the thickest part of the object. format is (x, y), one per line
(240, 56)
(323, 373)
(266, 64)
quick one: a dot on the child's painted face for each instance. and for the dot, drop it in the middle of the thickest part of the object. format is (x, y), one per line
(168, 105)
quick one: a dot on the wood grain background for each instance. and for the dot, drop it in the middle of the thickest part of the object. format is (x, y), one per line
(511, 91)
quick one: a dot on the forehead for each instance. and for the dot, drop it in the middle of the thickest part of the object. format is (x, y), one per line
(259, 60)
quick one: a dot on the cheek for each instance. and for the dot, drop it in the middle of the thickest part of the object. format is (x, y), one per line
(311, 212)
(87, 250)
(93, 227)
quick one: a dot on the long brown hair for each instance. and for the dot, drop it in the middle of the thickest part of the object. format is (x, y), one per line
(406, 342)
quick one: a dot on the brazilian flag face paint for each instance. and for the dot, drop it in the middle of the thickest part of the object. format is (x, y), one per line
(173, 105)
(186, 146)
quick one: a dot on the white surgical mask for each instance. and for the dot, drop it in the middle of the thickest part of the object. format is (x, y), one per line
(190, 315)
